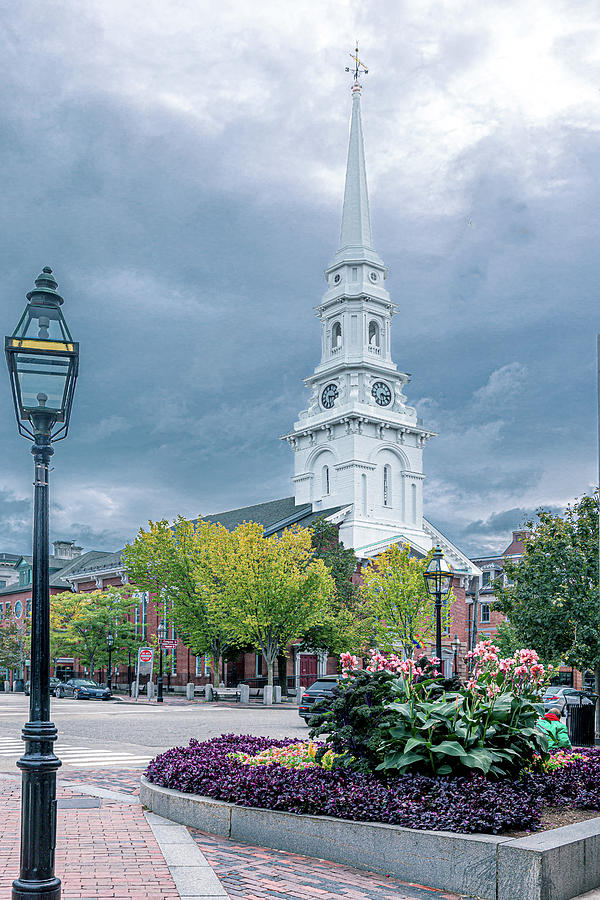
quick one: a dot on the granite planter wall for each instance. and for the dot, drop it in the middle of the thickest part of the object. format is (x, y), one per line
(553, 865)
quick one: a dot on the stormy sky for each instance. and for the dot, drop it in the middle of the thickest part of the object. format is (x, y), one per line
(180, 166)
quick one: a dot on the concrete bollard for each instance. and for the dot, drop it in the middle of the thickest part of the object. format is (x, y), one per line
(150, 690)
(7, 687)
(268, 695)
(208, 692)
(299, 693)
(189, 690)
(276, 693)
(244, 693)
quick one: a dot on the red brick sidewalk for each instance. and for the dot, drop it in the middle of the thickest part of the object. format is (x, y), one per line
(252, 873)
(108, 852)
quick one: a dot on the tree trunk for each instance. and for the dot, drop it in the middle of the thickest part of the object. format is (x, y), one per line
(282, 672)
(597, 692)
(270, 668)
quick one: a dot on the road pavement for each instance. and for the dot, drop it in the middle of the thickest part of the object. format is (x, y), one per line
(124, 734)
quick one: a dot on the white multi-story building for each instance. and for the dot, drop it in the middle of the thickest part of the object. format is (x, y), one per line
(359, 445)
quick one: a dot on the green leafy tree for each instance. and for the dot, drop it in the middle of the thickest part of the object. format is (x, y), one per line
(551, 598)
(15, 644)
(276, 590)
(80, 624)
(348, 622)
(396, 590)
(186, 565)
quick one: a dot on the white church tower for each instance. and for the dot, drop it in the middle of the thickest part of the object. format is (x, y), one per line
(359, 445)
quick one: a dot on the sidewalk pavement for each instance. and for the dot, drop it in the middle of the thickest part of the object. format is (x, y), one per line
(109, 848)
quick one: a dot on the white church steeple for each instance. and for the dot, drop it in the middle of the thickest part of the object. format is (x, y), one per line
(358, 445)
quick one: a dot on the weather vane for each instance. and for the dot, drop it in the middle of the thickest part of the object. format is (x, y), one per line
(358, 65)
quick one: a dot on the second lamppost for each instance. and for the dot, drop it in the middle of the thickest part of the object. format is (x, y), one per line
(160, 633)
(110, 642)
(456, 649)
(438, 578)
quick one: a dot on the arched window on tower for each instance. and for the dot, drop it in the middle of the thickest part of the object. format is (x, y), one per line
(325, 480)
(374, 336)
(336, 337)
(387, 485)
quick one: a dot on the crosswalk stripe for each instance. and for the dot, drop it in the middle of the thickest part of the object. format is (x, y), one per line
(80, 757)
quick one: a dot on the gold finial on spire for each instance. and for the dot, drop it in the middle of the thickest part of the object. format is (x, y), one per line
(359, 67)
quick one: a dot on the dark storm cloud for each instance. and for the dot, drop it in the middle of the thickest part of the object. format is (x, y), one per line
(182, 171)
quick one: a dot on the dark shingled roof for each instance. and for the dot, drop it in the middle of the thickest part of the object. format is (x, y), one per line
(57, 577)
(274, 516)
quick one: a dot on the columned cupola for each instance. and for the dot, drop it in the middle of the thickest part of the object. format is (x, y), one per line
(359, 444)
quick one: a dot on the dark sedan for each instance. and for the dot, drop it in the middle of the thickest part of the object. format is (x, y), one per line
(83, 689)
(54, 683)
(321, 688)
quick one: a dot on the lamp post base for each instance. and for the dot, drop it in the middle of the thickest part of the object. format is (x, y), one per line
(28, 890)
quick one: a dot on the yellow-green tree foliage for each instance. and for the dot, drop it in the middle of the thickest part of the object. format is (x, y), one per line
(395, 588)
(79, 625)
(277, 589)
(185, 566)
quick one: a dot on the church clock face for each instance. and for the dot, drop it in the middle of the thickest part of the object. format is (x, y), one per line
(329, 395)
(381, 393)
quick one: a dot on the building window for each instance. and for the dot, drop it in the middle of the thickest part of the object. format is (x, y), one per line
(325, 480)
(2, 583)
(485, 613)
(198, 667)
(485, 579)
(387, 485)
(29, 606)
(18, 609)
(7, 609)
(258, 665)
(373, 334)
(207, 665)
(336, 336)
(136, 621)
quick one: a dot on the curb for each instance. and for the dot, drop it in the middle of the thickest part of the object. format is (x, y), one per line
(555, 865)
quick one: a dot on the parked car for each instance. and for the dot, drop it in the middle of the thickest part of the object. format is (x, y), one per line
(83, 689)
(322, 687)
(54, 683)
(562, 697)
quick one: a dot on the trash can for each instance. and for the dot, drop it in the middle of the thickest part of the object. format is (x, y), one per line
(580, 724)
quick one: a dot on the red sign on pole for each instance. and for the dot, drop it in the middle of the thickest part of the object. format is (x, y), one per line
(168, 644)
(145, 655)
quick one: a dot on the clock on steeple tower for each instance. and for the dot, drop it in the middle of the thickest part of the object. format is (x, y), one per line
(359, 445)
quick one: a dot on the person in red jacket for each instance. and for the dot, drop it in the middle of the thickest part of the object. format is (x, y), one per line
(557, 733)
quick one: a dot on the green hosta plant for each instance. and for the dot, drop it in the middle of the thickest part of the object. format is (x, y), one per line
(490, 726)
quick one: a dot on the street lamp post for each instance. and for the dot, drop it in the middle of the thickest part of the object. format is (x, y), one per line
(110, 642)
(160, 632)
(438, 579)
(43, 363)
(456, 649)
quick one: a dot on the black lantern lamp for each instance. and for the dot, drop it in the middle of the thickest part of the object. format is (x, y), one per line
(438, 578)
(110, 642)
(160, 633)
(42, 363)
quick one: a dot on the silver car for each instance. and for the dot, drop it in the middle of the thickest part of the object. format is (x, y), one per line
(561, 697)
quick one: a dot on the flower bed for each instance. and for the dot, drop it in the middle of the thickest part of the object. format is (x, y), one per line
(463, 805)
